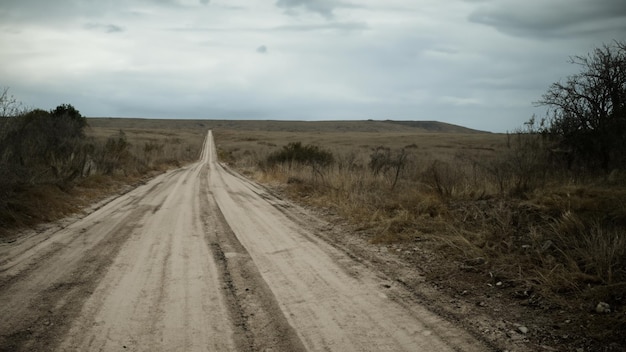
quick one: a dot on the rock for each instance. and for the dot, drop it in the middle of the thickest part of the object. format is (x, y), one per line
(603, 308)
(514, 335)
(523, 329)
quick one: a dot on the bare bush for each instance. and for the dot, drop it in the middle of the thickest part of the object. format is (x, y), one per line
(390, 164)
(524, 164)
(588, 110)
(115, 154)
(10, 106)
(443, 177)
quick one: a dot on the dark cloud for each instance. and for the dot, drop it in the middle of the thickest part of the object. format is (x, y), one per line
(322, 7)
(553, 19)
(20, 10)
(45, 11)
(396, 59)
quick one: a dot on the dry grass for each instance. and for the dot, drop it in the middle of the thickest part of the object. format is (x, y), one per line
(149, 150)
(470, 197)
(481, 201)
(156, 148)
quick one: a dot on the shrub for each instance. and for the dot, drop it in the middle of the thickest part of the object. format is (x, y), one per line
(443, 178)
(41, 146)
(297, 153)
(524, 163)
(595, 247)
(115, 153)
(588, 110)
(384, 161)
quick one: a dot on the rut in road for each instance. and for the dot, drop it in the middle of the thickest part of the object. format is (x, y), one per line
(201, 259)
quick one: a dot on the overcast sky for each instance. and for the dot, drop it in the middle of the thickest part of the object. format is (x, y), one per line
(476, 63)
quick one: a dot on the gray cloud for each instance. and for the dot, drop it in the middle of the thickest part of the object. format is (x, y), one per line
(60, 11)
(402, 59)
(326, 26)
(21, 10)
(338, 26)
(322, 7)
(108, 28)
(553, 19)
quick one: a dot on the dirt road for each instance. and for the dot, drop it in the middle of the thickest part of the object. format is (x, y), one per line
(201, 259)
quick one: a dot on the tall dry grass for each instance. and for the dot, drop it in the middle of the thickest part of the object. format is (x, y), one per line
(503, 199)
(113, 159)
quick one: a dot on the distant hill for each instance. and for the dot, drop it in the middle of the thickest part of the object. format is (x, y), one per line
(285, 126)
(436, 126)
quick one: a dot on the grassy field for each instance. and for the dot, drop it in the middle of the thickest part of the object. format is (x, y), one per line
(488, 209)
(493, 209)
(119, 155)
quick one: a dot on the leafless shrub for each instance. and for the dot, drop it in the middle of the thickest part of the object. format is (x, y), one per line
(443, 178)
(589, 109)
(115, 154)
(10, 106)
(524, 164)
(390, 164)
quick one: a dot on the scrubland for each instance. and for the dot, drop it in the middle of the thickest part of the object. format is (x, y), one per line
(474, 211)
(498, 210)
(48, 174)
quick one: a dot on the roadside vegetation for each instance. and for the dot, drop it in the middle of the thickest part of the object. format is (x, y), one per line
(52, 163)
(538, 214)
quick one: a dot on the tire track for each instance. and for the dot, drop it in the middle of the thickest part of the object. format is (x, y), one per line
(314, 284)
(252, 305)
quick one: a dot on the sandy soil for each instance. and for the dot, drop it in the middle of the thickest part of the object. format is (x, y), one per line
(201, 259)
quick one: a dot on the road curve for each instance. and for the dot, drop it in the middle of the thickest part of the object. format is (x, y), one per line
(202, 259)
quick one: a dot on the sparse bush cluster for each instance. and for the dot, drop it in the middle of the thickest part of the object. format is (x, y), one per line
(50, 150)
(296, 153)
(43, 146)
(544, 209)
(384, 161)
(588, 110)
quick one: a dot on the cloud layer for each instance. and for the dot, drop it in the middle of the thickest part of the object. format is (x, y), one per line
(480, 64)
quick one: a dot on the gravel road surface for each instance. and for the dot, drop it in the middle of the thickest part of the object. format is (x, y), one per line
(202, 259)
